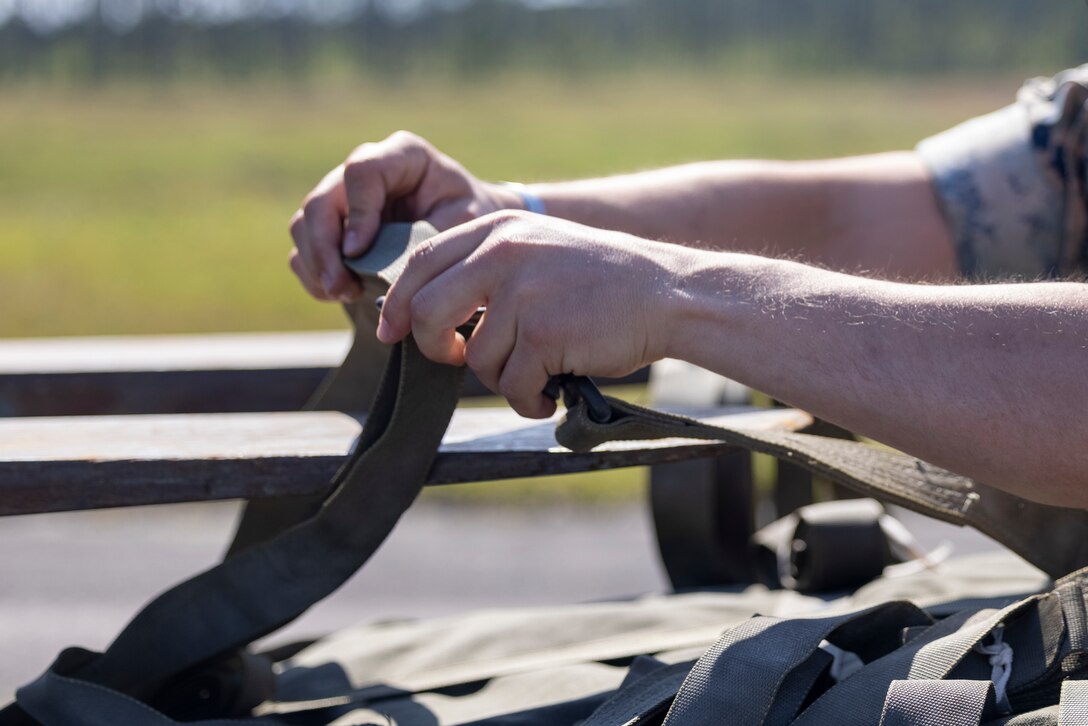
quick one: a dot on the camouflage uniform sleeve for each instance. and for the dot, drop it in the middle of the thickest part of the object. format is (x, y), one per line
(1011, 183)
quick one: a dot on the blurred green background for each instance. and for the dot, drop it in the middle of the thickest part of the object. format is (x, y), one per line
(151, 151)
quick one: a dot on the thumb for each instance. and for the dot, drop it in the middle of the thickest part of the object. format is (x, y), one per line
(364, 214)
(375, 175)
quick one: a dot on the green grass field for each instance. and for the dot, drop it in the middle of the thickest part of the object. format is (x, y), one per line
(136, 210)
(141, 210)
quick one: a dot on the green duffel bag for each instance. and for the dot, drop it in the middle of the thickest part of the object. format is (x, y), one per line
(185, 657)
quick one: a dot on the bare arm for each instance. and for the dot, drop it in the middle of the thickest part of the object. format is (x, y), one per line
(872, 214)
(986, 380)
(875, 214)
(990, 381)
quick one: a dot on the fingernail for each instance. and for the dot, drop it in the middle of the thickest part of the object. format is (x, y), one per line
(352, 246)
(383, 330)
(326, 281)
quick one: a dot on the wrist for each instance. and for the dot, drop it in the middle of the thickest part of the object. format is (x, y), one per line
(528, 199)
(716, 296)
(502, 197)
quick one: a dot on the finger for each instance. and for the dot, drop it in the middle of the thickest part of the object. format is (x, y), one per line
(444, 304)
(449, 215)
(324, 210)
(297, 260)
(487, 351)
(427, 261)
(374, 174)
(294, 259)
(523, 380)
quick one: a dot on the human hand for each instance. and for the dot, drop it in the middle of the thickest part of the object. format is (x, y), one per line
(402, 178)
(560, 298)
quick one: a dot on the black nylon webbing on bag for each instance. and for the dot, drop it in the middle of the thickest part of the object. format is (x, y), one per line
(936, 703)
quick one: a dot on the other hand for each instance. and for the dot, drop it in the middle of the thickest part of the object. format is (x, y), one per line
(403, 178)
(560, 298)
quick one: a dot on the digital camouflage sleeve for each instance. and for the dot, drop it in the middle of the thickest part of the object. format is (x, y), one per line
(1012, 183)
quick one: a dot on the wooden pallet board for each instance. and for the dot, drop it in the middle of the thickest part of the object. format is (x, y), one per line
(92, 462)
(148, 374)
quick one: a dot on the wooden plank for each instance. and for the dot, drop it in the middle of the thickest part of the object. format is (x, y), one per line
(212, 352)
(165, 373)
(59, 464)
(217, 373)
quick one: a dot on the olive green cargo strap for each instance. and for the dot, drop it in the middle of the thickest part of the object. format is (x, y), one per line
(1051, 538)
(260, 588)
(351, 386)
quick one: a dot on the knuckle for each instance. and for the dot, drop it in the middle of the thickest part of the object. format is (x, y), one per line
(297, 229)
(502, 247)
(421, 307)
(406, 139)
(361, 152)
(423, 251)
(313, 205)
(359, 169)
(503, 217)
(509, 390)
(539, 336)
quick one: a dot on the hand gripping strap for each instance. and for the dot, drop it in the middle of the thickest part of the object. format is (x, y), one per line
(1051, 538)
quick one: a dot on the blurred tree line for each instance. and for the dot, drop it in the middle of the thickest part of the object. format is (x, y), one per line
(91, 40)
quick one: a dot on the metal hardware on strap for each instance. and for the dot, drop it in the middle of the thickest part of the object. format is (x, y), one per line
(580, 390)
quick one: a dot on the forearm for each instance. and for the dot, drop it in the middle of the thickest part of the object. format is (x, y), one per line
(821, 211)
(988, 381)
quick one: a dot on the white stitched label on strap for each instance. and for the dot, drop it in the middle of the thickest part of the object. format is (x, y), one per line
(844, 663)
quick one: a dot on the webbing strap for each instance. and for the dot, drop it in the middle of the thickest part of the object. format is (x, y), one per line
(937, 659)
(643, 699)
(742, 673)
(270, 583)
(349, 387)
(858, 700)
(56, 699)
(1073, 706)
(936, 703)
(1051, 538)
